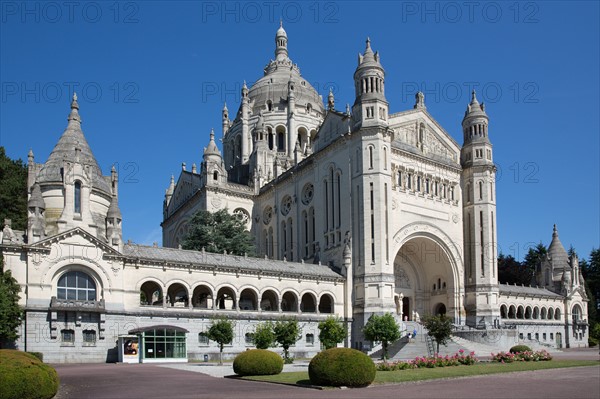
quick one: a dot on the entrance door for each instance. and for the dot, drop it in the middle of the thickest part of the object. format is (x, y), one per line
(558, 340)
(406, 308)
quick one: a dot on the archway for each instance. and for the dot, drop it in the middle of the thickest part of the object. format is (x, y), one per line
(151, 294)
(440, 309)
(424, 273)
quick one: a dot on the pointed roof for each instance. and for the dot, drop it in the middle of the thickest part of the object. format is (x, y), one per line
(36, 200)
(557, 252)
(212, 148)
(113, 209)
(475, 108)
(72, 147)
(368, 59)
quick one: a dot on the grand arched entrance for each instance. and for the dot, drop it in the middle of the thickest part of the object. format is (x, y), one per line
(427, 281)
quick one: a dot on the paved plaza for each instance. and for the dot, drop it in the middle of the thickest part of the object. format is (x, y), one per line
(200, 380)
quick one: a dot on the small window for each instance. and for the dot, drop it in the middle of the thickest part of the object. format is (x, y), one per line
(310, 339)
(89, 337)
(544, 336)
(249, 339)
(215, 175)
(520, 335)
(529, 336)
(77, 204)
(551, 335)
(67, 336)
(203, 338)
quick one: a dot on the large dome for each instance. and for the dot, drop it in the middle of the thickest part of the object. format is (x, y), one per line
(273, 86)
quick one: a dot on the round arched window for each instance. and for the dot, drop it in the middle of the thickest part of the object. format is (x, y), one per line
(76, 285)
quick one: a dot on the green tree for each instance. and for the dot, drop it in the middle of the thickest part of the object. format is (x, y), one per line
(218, 232)
(287, 332)
(591, 274)
(263, 336)
(331, 332)
(11, 314)
(221, 331)
(13, 191)
(534, 256)
(440, 328)
(382, 329)
(511, 271)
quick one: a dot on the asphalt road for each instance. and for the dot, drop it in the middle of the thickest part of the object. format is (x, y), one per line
(104, 381)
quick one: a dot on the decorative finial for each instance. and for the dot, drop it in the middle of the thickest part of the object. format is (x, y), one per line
(212, 134)
(368, 42)
(280, 22)
(473, 97)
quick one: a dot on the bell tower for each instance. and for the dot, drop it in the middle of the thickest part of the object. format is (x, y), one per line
(478, 183)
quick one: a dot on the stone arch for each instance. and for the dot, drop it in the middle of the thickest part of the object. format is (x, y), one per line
(308, 303)
(269, 301)
(326, 303)
(202, 296)
(543, 313)
(576, 312)
(557, 314)
(528, 312)
(178, 295)
(248, 299)
(550, 313)
(503, 312)
(65, 263)
(280, 138)
(226, 298)
(419, 244)
(439, 309)
(151, 293)
(289, 301)
(536, 313)
(520, 312)
(512, 312)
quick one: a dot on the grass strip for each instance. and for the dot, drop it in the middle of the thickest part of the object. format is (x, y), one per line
(392, 377)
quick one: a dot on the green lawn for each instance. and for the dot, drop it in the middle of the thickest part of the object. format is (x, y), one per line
(385, 377)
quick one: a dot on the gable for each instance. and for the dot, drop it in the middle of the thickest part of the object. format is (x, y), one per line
(78, 241)
(186, 186)
(417, 131)
(334, 126)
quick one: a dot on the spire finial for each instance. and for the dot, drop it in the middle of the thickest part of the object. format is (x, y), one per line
(473, 97)
(280, 22)
(368, 42)
(74, 104)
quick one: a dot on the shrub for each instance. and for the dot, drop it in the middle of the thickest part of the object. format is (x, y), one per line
(257, 362)
(520, 348)
(24, 376)
(39, 355)
(341, 367)
(526, 356)
(430, 362)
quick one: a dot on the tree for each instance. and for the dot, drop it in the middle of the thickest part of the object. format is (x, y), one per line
(591, 274)
(534, 256)
(13, 191)
(263, 336)
(221, 331)
(11, 314)
(440, 328)
(511, 271)
(382, 329)
(287, 332)
(332, 332)
(218, 232)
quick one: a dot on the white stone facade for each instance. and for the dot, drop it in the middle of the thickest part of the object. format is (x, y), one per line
(353, 213)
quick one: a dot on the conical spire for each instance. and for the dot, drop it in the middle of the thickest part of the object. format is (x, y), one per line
(72, 147)
(113, 209)
(212, 148)
(36, 200)
(330, 100)
(475, 108)
(171, 188)
(557, 252)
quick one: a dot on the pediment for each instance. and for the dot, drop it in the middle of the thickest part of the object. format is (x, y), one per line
(74, 236)
(416, 129)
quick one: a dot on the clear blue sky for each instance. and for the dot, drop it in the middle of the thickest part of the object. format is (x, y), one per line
(152, 77)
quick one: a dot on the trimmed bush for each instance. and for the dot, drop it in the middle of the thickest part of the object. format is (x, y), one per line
(24, 376)
(257, 362)
(341, 367)
(39, 355)
(520, 348)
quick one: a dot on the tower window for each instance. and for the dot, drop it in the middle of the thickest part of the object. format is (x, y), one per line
(77, 204)
(215, 175)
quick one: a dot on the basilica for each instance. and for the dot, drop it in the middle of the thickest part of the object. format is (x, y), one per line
(354, 212)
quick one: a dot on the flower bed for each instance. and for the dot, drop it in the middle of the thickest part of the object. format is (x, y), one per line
(526, 356)
(430, 362)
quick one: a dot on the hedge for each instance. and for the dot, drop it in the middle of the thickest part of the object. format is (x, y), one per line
(520, 348)
(341, 367)
(257, 362)
(24, 376)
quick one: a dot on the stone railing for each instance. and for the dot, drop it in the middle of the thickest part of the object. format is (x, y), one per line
(76, 305)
